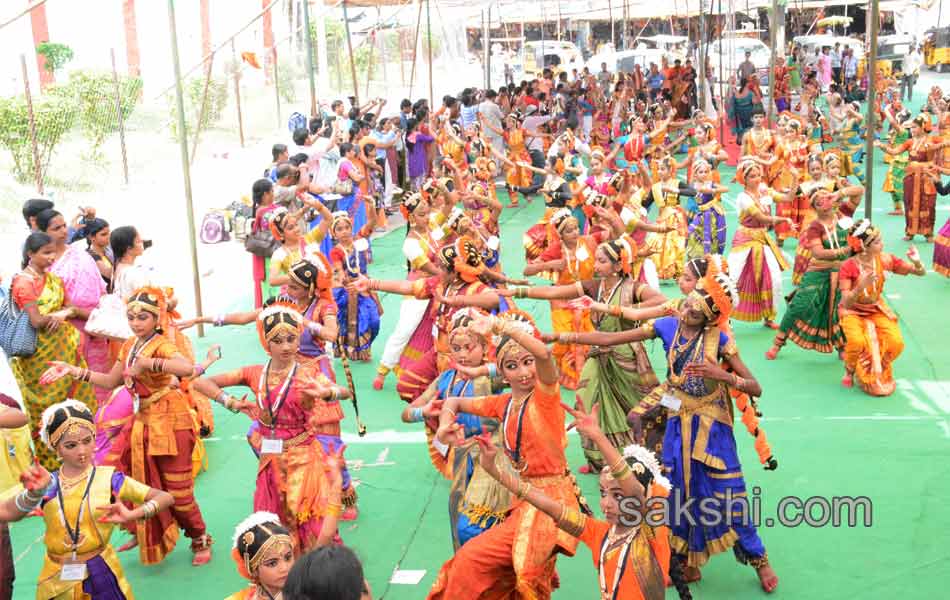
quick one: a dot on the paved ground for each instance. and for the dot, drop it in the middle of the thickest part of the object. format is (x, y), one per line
(829, 442)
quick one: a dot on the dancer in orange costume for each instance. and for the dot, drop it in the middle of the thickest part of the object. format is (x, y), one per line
(516, 559)
(873, 339)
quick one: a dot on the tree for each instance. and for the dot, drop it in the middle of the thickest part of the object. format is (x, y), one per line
(57, 55)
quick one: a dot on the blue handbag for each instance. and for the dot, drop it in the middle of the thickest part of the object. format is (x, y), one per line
(17, 335)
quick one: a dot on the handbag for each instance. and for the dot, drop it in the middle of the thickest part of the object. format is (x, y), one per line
(261, 243)
(17, 334)
(108, 318)
(344, 187)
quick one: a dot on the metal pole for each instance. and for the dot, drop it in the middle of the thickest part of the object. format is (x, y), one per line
(873, 25)
(118, 114)
(773, 30)
(237, 91)
(277, 87)
(185, 166)
(309, 47)
(37, 169)
(203, 108)
(429, 50)
(349, 45)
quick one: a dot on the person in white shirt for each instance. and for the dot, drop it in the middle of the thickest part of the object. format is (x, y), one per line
(531, 124)
(492, 113)
(836, 63)
(910, 70)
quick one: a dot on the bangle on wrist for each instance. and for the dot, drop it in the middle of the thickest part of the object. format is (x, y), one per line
(415, 415)
(199, 370)
(492, 370)
(219, 320)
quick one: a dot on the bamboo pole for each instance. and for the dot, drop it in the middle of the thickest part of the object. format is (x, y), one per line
(277, 87)
(37, 168)
(415, 50)
(203, 108)
(118, 114)
(349, 45)
(369, 66)
(429, 51)
(874, 23)
(773, 30)
(308, 44)
(237, 92)
(185, 166)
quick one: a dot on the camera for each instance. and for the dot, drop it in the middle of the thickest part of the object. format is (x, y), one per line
(146, 244)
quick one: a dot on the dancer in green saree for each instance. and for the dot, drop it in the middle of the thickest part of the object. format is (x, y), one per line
(616, 377)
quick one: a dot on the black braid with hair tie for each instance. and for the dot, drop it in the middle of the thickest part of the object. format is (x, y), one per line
(678, 577)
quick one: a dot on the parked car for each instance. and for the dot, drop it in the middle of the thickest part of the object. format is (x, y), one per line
(674, 46)
(552, 54)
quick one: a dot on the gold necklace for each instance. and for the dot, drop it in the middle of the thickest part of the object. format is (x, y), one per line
(67, 483)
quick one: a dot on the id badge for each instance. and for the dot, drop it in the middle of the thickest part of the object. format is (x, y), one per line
(671, 402)
(272, 446)
(73, 570)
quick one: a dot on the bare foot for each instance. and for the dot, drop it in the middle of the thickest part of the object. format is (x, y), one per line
(133, 543)
(585, 469)
(350, 513)
(772, 353)
(767, 578)
(770, 324)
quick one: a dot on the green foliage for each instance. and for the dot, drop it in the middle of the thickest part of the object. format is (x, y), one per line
(57, 55)
(287, 74)
(194, 94)
(55, 113)
(94, 97)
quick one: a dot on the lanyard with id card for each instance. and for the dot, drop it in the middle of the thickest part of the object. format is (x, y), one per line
(273, 444)
(73, 569)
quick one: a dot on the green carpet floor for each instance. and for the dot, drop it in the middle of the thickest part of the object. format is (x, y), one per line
(829, 442)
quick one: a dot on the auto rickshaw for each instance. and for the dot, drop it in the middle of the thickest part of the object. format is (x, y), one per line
(937, 48)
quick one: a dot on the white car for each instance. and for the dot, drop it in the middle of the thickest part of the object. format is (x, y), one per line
(719, 54)
(675, 46)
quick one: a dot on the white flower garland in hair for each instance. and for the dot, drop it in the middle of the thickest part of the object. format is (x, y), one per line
(278, 308)
(524, 326)
(50, 412)
(648, 459)
(258, 518)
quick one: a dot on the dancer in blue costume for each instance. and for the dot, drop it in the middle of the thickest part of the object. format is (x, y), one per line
(476, 501)
(699, 448)
(358, 312)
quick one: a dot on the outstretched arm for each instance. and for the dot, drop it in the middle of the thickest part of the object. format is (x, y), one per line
(602, 338)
